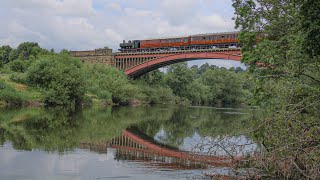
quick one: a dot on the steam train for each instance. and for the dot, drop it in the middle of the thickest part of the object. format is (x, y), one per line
(200, 41)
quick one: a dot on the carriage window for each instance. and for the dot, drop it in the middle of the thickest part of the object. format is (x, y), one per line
(222, 37)
(178, 40)
(166, 41)
(185, 39)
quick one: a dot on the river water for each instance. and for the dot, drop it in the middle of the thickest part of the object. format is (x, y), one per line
(158, 142)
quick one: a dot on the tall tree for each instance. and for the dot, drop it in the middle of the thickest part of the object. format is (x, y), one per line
(281, 35)
(179, 78)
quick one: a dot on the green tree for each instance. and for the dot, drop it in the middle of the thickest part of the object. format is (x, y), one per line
(4, 54)
(198, 93)
(153, 78)
(18, 66)
(225, 86)
(179, 79)
(239, 69)
(26, 51)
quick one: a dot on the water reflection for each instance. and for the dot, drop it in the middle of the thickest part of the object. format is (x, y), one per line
(38, 134)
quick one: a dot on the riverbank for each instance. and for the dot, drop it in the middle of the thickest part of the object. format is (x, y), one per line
(15, 94)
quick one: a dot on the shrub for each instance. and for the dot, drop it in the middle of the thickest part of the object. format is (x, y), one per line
(61, 76)
(18, 66)
(108, 82)
(104, 94)
(11, 97)
(19, 77)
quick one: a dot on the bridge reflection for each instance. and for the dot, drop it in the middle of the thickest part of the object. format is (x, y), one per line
(134, 145)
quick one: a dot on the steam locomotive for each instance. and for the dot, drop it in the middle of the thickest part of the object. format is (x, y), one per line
(200, 41)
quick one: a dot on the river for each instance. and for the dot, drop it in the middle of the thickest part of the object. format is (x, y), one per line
(146, 142)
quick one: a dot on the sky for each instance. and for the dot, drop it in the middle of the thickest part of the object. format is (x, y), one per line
(91, 24)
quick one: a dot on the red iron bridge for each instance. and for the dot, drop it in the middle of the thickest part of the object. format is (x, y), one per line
(135, 64)
(138, 57)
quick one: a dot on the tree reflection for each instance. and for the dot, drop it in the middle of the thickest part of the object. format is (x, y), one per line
(63, 130)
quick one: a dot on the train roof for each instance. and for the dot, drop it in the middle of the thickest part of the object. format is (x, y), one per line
(195, 35)
(211, 34)
(168, 37)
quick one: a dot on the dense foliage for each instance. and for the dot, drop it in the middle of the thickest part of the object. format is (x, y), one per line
(61, 78)
(285, 62)
(205, 85)
(9, 95)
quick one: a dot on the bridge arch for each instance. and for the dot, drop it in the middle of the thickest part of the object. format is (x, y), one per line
(151, 65)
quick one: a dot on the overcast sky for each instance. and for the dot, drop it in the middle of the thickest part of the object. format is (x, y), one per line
(91, 24)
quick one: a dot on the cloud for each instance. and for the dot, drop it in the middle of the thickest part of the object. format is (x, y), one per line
(179, 12)
(114, 6)
(53, 7)
(89, 24)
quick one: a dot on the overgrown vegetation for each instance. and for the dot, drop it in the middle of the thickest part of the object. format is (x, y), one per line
(205, 85)
(38, 75)
(9, 95)
(288, 85)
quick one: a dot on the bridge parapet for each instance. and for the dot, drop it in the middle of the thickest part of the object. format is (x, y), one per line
(176, 52)
(102, 56)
